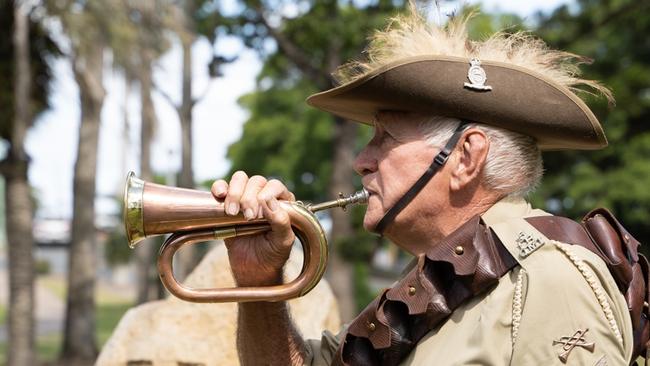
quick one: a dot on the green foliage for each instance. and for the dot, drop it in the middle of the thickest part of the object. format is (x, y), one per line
(42, 48)
(85, 23)
(283, 137)
(116, 250)
(482, 25)
(361, 246)
(138, 28)
(108, 315)
(363, 292)
(42, 267)
(614, 34)
(286, 140)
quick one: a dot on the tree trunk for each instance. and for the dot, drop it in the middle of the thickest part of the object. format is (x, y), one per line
(19, 207)
(80, 345)
(340, 273)
(187, 258)
(186, 178)
(147, 273)
(21, 264)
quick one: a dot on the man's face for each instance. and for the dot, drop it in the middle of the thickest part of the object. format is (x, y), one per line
(391, 163)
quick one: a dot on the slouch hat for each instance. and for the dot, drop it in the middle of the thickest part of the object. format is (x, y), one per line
(510, 81)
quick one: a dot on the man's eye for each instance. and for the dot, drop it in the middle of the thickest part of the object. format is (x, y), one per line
(386, 136)
(382, 136)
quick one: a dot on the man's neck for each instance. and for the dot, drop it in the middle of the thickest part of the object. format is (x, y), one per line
(434, 225)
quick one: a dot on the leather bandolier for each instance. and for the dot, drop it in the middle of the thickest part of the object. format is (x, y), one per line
(469, 262)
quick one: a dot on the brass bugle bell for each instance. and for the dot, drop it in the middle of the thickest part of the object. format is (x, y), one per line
(193, 216)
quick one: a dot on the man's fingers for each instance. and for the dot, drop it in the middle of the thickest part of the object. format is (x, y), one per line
(249, 204)
(281, 234)
(235, 191)
(219, 189)
(275, 188)
(244, 194)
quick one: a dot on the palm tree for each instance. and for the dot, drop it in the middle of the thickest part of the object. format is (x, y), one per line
(87, 30)
(24, 78)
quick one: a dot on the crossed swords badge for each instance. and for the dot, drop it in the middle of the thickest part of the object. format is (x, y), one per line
(527, 244)
(576, 340)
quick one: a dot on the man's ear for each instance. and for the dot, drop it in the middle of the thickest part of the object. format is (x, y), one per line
(471, 153)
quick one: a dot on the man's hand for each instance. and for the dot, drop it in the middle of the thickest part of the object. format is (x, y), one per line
(257, 260)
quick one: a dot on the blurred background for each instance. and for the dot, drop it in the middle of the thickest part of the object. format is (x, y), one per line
(187, 91)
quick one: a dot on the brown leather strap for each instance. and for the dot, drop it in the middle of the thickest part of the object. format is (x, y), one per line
(563, 230)
(468, 262)
(602, 234)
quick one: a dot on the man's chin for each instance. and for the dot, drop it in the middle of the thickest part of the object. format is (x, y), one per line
(370, 223)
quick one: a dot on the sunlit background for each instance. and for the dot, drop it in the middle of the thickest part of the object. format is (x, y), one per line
(249, 114)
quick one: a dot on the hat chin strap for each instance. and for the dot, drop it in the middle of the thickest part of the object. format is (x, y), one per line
(438, 161)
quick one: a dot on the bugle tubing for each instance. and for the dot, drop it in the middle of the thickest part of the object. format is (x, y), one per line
(193, 216)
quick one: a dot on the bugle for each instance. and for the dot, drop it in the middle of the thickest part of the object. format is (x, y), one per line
(193, 216)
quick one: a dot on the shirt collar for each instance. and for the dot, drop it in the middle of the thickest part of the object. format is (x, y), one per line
(510, 208)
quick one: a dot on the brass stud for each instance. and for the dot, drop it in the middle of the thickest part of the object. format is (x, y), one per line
(371, 326)
(411, 290)
(459, 250)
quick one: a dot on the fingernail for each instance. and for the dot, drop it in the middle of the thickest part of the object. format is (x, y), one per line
(219, 191)
(248, 214)
(233, 208)
(273, 204)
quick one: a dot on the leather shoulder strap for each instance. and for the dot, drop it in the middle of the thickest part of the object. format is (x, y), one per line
(601, 233)
(468, 262)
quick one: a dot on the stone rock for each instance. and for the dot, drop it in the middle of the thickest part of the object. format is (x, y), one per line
(175, 332)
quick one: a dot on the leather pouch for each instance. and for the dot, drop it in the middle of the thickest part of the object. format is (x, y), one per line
(630, 270)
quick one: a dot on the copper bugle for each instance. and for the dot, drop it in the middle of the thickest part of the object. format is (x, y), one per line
(193, 216)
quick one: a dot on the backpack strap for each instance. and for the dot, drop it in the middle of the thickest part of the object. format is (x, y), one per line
(601, 233)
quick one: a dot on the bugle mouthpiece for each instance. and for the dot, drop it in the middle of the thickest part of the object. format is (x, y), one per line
(357, 198)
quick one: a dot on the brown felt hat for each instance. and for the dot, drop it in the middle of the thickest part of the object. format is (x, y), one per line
(494, 93)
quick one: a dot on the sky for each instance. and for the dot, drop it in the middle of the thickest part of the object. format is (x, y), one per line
(218, 119)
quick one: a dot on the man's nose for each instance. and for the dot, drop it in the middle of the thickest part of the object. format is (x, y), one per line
(365, 162)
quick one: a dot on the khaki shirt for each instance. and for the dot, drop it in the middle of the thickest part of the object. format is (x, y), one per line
(536, 313)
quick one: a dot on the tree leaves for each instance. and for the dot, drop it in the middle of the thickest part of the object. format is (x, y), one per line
(614, 34)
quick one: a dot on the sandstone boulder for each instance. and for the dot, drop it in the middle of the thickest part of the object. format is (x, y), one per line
(174, 332)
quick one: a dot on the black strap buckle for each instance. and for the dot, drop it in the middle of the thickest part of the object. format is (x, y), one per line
(441, 158)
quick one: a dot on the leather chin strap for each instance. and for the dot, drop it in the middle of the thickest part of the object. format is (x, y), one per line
(438, 162)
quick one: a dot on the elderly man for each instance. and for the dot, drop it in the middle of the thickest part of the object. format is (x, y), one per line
(458, 130)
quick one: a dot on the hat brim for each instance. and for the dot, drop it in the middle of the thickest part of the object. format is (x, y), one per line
(520, 100)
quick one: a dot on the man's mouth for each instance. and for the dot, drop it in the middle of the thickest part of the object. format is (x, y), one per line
(371, 193)
(369, 190)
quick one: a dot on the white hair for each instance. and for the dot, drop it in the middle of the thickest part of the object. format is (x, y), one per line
(513, 166)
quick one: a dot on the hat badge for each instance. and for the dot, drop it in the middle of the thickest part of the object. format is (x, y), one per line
(476, 76)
